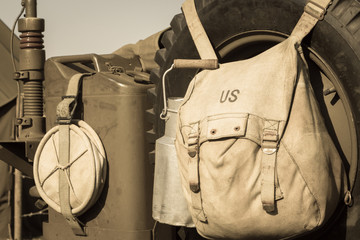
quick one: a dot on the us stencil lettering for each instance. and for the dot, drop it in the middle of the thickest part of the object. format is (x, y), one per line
(229, 95)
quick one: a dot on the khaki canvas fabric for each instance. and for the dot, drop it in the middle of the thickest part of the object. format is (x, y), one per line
(255, 157)
(86, 169)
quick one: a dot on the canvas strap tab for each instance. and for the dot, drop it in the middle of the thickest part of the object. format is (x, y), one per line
(269, 148)
(197, 31)
(193, 173)
(64, 112)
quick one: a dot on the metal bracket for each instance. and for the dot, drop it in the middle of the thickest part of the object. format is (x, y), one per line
(114, 69)
(24, 121)
(21, 75)
(13, 154)
(30, 149)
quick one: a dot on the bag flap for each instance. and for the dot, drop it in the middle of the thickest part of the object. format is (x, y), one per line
(262, 86)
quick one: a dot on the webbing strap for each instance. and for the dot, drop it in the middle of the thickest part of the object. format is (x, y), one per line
(197, 207)
(197, 31)
(65, 109)
(313, 12)
(64, 112)
(269, 148)
(304, 26)
(268, 182)
(278, 193)
(193, 173)
(64, 175)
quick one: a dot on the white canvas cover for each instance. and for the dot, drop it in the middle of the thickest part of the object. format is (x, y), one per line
(86, 171)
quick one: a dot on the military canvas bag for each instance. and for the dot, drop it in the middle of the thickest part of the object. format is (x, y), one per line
(255, 158)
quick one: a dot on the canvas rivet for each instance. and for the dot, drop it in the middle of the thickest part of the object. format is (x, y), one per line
(213, 131)
(192, 153)
(237, 128)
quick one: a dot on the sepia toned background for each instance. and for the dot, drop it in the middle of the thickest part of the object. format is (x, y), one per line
(94, 26)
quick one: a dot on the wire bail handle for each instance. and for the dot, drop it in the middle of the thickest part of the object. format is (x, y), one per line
(184, 63)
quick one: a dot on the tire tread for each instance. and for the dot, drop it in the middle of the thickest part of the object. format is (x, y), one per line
(348, 14)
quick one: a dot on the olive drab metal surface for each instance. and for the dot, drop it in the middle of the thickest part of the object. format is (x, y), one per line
(113, 104)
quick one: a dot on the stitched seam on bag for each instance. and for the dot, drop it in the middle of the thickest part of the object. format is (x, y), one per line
(181, 105)
(191, 92)
(246, 114)
(181, 133)
(249, 138)
(248, 135)
(307, 186)
(235, 113)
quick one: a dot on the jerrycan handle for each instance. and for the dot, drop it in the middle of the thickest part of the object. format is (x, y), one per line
(97, 61)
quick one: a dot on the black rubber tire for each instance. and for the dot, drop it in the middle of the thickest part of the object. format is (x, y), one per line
(336, 41)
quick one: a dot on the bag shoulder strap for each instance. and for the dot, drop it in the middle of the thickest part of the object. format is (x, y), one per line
(313, 12)
(197, 31)
(65, 111)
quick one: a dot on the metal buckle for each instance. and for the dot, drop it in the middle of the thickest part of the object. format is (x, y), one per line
(65, 109)
(269, 151)
(269, 143)
(63, 121)
(315, 10)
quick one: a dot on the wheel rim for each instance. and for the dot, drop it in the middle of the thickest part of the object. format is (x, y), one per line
(335, 106)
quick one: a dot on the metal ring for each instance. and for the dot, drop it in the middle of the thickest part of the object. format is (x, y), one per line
(163, 115)
(348, 199)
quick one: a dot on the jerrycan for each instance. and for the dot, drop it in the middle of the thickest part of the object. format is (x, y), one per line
(113, 102)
